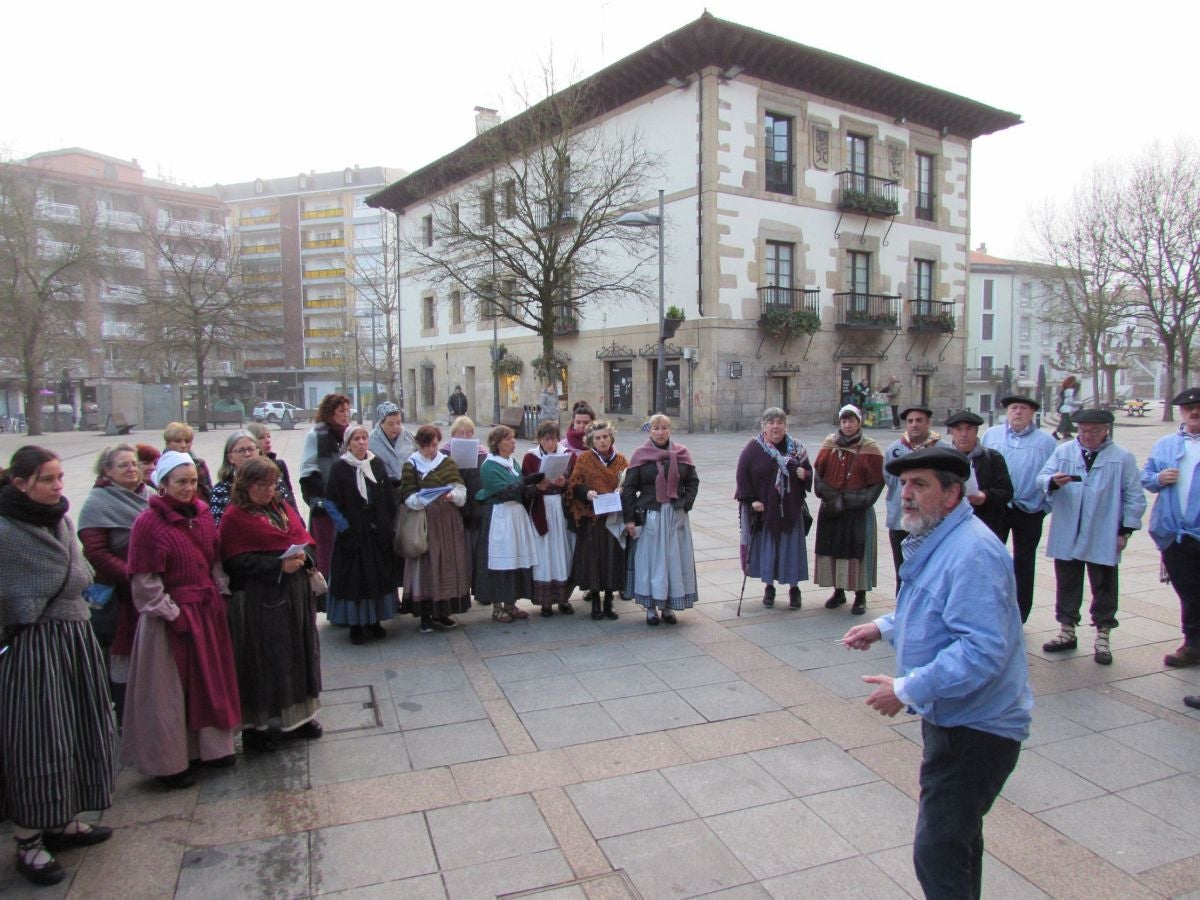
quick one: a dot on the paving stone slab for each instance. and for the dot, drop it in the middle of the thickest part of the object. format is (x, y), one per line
(729, 700)
(722, 785)
(871, 816)
(538, 664)
(1123, 834)
(702, 864)
(1104, 761)
(691, 671)
(779, 838)
(431, 679)
(588, 657)
(362, 757)
(669, 646)
(442, 708)
(272, 869)
(423, 887)
(1162, 688)
(849, 879)
(625, 681)
(1049, 728)
(507, 877)
(651, 712)
(1164, 741)
(1037, 784)
(472, 834)
(813, 767)
(568, 725)
(364, 853)
(546, 693)
(449, 744)
(1171, 799)
(1095, 709)
(998, 879)
(257, 773)
(628, 803)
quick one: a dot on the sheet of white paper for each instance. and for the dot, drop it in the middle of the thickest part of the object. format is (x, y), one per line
(972, 486)
(555, 464)
(606, 503)
(465, 452)
(292, 551)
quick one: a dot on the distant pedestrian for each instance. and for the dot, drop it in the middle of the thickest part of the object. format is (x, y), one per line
(1025, 449)
(458, 402)
(1068, 405)
(1096, 503)
(892, 393)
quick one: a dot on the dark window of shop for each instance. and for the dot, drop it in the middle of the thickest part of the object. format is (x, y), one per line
(620, 388)
(671, 387)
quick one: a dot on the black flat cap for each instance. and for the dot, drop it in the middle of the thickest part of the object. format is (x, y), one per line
(1188, 397)
(1093, 417)
(1020, 398)
(921, 409)
(964, 417)
(944, 459)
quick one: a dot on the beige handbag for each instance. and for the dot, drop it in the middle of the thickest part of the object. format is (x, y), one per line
(411, 538)
(317, 582)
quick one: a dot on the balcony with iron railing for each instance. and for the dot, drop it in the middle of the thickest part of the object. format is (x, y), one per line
(566, 321)
(58, 212)
(985, 375)
(325, 303)
(329, 212)
(784, 299)
(260, 249)
(931, 315)
(132, 259)
(552, 215)
(867, 194)
(122, 293)
(122, 331)
(189, 227)
(119, 219)
(318, 243)
(866, 312)
(251, 221)
(325, 273)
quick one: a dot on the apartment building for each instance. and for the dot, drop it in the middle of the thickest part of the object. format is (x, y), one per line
(108, 346)
(310, 241)
(801, 189)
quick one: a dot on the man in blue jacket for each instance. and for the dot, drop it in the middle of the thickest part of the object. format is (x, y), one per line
(1173, 473)
(1096, 503)
(960, 665)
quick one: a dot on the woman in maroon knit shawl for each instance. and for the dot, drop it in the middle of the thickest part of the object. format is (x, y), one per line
(182, 702)
(272, 612)
(772, 474)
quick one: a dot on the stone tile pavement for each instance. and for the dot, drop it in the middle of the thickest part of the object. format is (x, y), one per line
(730, 756)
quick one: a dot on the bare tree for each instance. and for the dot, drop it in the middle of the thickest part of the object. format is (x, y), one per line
(47, 251)
(1157, 247)
(375, 277)
(533, 234)
(1087, 297)
(199, 304)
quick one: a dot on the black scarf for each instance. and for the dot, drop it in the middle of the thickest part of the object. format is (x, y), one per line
(842, 441)
(15, 504)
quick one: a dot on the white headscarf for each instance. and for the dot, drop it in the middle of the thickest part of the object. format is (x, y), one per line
(362, 467)
(172, 459)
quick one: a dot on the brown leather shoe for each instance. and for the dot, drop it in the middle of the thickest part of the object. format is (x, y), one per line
(1185, 656)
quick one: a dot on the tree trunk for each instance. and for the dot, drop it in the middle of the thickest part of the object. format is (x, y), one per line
(33, 406)
(1169, 358)
(201, 396)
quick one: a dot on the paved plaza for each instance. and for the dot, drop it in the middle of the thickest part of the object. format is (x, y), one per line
(725, 756)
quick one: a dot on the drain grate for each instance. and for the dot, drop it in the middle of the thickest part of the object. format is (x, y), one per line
(347, 709)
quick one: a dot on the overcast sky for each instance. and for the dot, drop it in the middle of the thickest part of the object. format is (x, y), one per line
(226, 92)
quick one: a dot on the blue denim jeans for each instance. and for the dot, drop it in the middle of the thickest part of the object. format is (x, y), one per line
(962, 773)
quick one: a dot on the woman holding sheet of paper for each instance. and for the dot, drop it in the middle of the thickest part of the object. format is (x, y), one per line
(599, 564)
(507, 549)
(555, 542)
(437, 585)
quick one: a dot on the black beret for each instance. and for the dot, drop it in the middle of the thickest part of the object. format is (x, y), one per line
(944, 459)
(964, 417)
(1019, 398)
(1093, 417)
(921, 409)
(1188, 397)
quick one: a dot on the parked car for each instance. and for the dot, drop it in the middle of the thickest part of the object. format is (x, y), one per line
(272, 411)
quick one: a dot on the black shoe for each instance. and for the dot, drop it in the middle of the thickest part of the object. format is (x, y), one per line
(608, 610)
(47, 873)
(255, 741)
(566, 608)
(597, 615)
(651, 618)
(426, 626)
(356, 635)
(860, 603)
(221, 762)
(445, 623)
(179, 781)
(794, 597)
(309, 731)
(838, 599)
(1192, 700)
(547, 612)
(376, 630)
(769, 596)
(669, 617)
(95, 834)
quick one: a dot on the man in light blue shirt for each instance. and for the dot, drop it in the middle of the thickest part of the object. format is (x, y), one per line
(1025, 449)
(960, 665)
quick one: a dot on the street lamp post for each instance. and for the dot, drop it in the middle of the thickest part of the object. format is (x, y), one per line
(368, 314)
(491, 295)
(357, 375)
(649, 220)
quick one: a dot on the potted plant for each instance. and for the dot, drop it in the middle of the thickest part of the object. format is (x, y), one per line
(672, 319)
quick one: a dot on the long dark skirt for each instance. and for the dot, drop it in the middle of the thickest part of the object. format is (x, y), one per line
(599, 563)
(278, 652)
(57, 740)
(439, 583)
(501, 587)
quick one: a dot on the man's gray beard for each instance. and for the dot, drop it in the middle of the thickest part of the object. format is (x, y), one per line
(917, 524)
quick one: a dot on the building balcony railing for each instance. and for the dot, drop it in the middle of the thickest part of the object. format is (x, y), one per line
(789, 300)
(119, 219)
(128, 331)
(268, 219)
(931, 315)
(328, 362)
(333, 212)
(324, 332)
(133, 259)
(191, 262)
(263, 277)
(326, 273)
(252, 249)
(58, 212)
(121, 293)
(779, 176)
(324, 242)
(552, 215)
(263, 364)
(866, 312)
(190, 227)
(867, 194)
(985, 375)
(53, 249)
(325, 303)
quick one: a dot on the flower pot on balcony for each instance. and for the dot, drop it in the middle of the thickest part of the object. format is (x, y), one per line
(669, 327)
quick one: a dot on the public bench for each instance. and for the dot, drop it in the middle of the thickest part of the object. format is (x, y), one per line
(117, 424)
(215, 418)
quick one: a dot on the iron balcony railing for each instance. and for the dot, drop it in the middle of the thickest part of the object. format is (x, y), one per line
(867, 193)
(868, 312)
(789, 299)
(931, 315)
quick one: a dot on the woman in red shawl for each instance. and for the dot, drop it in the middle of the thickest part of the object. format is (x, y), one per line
(181, 703)
(273, 612)
(659, 489)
